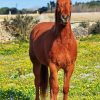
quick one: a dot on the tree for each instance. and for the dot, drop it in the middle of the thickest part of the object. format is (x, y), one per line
(52, 5)
(14, 10)
(4, 10)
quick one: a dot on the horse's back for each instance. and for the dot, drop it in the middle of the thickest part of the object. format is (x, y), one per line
(40, 29)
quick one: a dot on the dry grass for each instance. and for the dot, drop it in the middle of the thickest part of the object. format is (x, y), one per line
(93, 16)
(76, 17)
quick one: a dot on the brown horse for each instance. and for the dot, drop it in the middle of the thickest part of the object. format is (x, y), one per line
(53, 45)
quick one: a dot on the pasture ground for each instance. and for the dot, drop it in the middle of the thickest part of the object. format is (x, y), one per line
(16, 78)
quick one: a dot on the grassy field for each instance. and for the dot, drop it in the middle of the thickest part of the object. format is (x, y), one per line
(16, 78)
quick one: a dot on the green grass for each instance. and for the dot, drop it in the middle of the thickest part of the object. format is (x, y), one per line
(91, 38)
(16, 78)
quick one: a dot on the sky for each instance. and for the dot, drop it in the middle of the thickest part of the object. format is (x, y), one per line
(28, 3)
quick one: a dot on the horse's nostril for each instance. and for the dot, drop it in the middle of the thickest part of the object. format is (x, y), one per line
(65, 17)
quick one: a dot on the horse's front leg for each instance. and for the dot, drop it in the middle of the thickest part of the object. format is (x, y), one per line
(54, 89)
(67, 75)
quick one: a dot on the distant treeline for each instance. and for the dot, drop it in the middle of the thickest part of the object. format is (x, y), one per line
(92, 6)
(6, 10)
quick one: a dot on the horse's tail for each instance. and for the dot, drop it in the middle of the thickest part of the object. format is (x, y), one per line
(44, 80)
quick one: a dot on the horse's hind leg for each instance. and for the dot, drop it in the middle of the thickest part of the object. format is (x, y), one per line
(36, 71)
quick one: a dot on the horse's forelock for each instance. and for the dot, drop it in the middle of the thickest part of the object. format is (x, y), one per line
(64, 1)
(63, 6)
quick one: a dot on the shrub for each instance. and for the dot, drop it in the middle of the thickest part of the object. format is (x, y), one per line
(15, 94)
(95, 28)
(20, 26)
(84, 24)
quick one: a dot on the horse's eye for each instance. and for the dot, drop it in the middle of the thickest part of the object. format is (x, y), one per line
(70, 3)
(57, 4)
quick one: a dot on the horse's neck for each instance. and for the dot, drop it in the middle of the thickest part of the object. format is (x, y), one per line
(64, 33)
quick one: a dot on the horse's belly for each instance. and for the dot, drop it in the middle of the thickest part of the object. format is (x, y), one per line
(40, 55)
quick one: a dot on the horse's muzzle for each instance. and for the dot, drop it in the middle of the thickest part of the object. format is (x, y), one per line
(65, 19)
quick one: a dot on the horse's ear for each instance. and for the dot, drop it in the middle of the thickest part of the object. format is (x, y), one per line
(71, 3)
(57, 4)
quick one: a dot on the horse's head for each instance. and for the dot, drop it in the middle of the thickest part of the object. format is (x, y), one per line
(63, 11)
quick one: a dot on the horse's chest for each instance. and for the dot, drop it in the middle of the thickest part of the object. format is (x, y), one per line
(59, 55)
